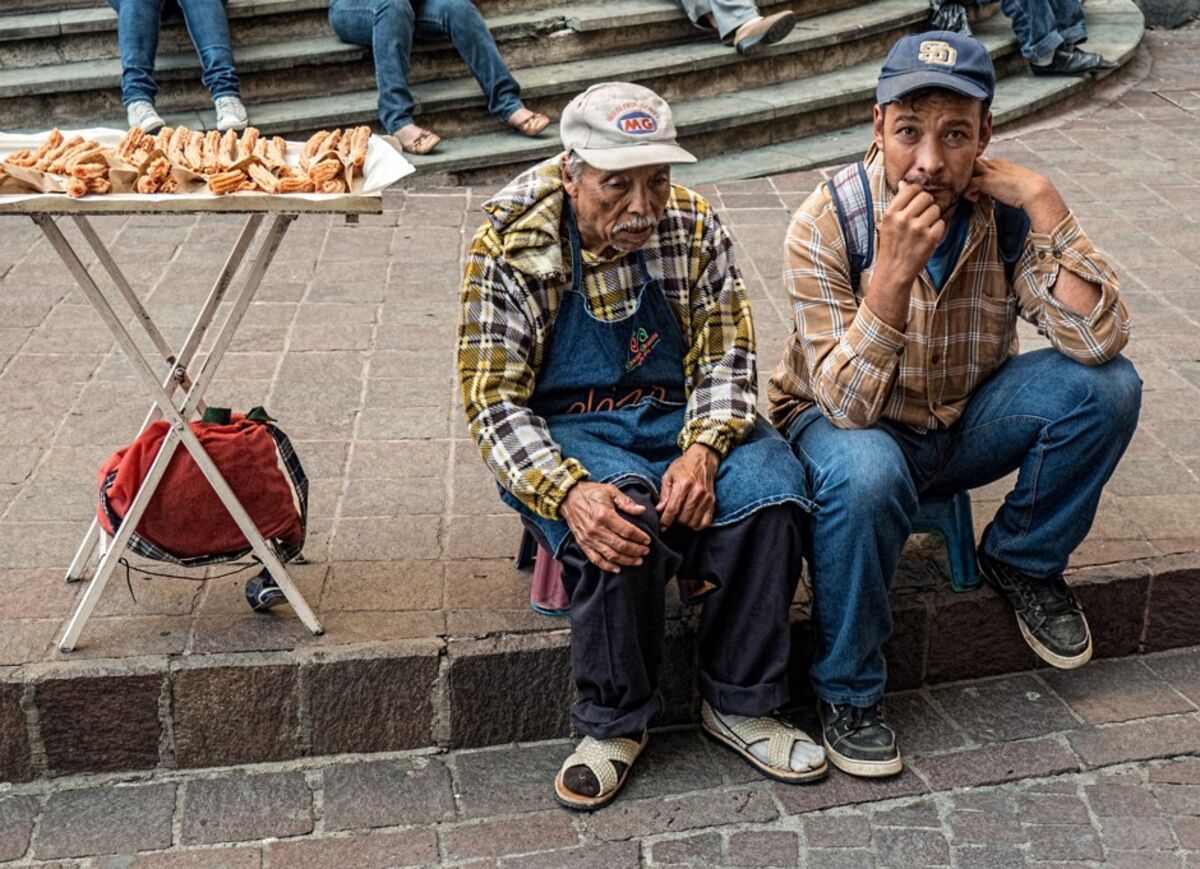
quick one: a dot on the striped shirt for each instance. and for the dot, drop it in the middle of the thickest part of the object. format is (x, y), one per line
(859, 369)
(517, 270)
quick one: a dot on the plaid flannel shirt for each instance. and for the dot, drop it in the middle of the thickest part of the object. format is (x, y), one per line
(517, 270)
(859, 369)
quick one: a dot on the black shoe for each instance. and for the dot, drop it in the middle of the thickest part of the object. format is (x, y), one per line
(262, 593)
(857, 741)
(1073, 61)
(1049, 616)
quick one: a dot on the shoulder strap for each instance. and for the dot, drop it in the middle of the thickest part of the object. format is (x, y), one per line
(1012, 226)
(851, 195)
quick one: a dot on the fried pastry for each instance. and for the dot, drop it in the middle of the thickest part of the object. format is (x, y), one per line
(98, 185)
(226, 182)
(146, 184)
(294, 185)
(158, 170)
(20, 158)
(227, 152)
(335, 185)
(249, 140)
(210, 161)
(194, 151)
(53, 140)
(175, 148)
(263, 178)
(43, 165)
(324, 171)
(89, 171)
(358, 146)
(76, 187)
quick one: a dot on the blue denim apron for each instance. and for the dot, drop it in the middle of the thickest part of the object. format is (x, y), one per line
(613, 396)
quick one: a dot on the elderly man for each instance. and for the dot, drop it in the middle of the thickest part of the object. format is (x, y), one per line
(607, 363)
(902, 376)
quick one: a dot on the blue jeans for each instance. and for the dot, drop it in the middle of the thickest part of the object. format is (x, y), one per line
(387, 27)
(137, 34)
(1043, 25)
(1061, 424)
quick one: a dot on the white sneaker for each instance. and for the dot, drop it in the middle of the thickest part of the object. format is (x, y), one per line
(142, 114)
(231, 114)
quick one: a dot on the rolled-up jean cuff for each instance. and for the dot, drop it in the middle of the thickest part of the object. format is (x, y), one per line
(751, 701)
(1074, 35)
(862, 701)
(599, 725)
(1049, 43)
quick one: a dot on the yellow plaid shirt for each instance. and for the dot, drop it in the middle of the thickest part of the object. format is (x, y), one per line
(859, 369)
(517, 270)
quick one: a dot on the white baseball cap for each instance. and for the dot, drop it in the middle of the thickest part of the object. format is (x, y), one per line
(619, 125)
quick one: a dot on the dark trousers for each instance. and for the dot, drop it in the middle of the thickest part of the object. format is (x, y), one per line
(618, 619)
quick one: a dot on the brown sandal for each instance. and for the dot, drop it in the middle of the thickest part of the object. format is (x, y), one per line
(531, 126)
(423, 144)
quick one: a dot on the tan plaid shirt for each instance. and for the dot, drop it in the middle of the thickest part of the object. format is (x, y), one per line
(859, 369)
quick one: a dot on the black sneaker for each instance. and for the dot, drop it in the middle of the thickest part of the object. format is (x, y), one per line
(857, 741)
(262, 593)
(1049, 616)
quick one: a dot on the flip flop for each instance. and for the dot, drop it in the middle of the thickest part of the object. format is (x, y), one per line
(423, 144)
(780, 736)
(531, 126)
(598, 755)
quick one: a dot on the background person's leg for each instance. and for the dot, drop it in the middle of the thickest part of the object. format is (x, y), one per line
(386, 26)
(460, 22)
(729, 15)
(1065, 426)
(617, 632)
(138, 22)
(1036, 27)
(209, 29)
(1070, 21)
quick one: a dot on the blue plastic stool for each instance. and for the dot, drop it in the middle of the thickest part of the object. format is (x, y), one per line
(951, 518)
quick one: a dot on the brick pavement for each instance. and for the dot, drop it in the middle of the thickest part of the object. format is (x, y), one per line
(1035, 768)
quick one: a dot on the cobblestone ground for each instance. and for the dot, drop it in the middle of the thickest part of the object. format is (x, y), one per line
(1046, 769)
(350, 346)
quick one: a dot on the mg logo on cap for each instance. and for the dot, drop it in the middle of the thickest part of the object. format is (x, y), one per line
(937, 53)
(637, 123)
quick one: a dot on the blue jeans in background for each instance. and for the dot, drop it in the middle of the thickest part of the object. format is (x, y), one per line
(138, 22)
(1043, 25)
(1062, 425)
(387, 27)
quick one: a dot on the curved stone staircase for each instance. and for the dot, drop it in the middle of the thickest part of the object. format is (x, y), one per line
(798, 104)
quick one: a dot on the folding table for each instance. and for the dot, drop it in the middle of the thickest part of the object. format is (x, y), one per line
(268, 218)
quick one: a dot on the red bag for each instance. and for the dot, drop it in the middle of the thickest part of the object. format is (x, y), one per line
(185, 522)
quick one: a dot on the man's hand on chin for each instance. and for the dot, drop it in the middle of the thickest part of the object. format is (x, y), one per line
(1018, 187)
(689, 489)
(593, 513)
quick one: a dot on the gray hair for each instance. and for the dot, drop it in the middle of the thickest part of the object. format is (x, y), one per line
(575, 165)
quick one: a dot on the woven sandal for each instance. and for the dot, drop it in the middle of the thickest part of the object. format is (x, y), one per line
(781, 737)
(598, 755)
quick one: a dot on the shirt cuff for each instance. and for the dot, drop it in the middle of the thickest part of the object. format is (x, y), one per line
(557, 484)
(1064, 244)
(873, 339)
(720, 436)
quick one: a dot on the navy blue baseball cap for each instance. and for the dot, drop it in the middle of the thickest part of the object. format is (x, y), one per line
(937, 58)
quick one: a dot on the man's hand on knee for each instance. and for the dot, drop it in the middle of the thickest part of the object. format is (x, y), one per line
(593, 513)
(689, 489)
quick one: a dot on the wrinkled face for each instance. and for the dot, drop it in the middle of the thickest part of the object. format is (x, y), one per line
(618, 210)
(932, 138)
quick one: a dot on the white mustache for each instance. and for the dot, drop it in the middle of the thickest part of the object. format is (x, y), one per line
(638, 224)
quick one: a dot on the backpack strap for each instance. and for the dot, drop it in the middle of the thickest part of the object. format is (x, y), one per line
(851, 195)
(1012, 227)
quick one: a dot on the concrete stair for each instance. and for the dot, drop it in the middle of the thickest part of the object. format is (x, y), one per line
(798, 104)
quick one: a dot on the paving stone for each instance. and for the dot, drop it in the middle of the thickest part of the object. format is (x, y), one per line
(1005, 709)
(631, 819)
(700, 850)
(1136, 834)
(763, 848)
(1064, 842)
(1187, 831)
(921, 813)
(241, 808)
(988, 857)
(672, 763)
(1184, 771)
(1053, 807)
(839, 858)
(844, 790)
(518, 835)
(907, 848)
(1142, 860)
(508, 780)
(373, 704)
(984, 827)
(1120, 800)
(609, 855)
(385, 793)
(1178, 799)
(226, 715)
(193, 858)
(376, 850)
(837, 831)
(16, 826)
(920, 728)
(105, 820)
(1181, 670)
(14, 735)
(100, 724)
(996, 764)
(1173, 620)
(502, 673)
(987, 624)
(1111, 691)
(1145, 740)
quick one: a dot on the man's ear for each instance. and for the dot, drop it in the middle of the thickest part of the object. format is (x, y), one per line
(877, 125)
(985, 134)
(569, 183)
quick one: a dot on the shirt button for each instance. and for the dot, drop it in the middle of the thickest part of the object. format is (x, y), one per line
(935, 359)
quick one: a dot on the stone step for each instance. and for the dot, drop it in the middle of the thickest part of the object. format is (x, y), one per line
(66, 93)
(80, 715)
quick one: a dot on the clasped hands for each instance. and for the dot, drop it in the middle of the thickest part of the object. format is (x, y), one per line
(593, 511)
